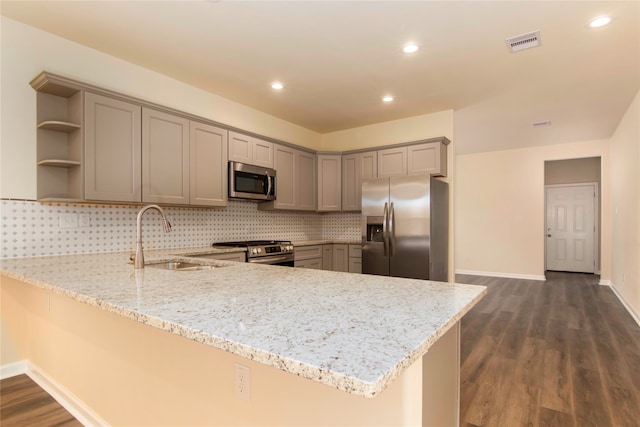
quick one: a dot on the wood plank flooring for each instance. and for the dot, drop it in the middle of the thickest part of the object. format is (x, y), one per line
(564, 352)
(24, 403)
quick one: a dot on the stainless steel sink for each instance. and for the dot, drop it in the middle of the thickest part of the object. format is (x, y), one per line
(181, 266)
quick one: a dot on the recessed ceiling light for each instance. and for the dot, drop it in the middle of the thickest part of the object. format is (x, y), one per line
(600, 21)
(410, 48)
(387, 98)
(277, 85)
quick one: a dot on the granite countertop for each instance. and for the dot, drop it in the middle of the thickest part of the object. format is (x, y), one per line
(354, 332)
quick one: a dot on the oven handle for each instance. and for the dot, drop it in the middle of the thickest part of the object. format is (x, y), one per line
(271, 259)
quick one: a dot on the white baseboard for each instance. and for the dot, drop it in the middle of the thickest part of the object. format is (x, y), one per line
(604, 282)
(624, 302)
(507, 275)
(64, 397)
(12, 369)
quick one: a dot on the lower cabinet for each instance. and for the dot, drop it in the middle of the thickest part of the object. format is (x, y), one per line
(308, 256)
(355, 258)
(340, 258)
(330, 257)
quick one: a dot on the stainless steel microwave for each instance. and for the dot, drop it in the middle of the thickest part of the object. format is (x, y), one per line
(251, 182)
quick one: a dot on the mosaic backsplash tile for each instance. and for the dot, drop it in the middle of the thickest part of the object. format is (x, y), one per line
(30, 228)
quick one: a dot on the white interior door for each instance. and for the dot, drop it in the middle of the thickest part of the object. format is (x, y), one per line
(571, 229)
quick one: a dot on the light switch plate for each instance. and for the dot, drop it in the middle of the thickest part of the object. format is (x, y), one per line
(84, 220)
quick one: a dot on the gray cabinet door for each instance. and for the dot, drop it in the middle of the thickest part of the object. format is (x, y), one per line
(284, 162)
(305, 181)
(392, 162)
(329, 182)
(262, 153)
(240, 149)
(112, 150)
(356, 168)
(427, 158)
(165, 158)
(340, 258)
(327, 257)
(208, 158)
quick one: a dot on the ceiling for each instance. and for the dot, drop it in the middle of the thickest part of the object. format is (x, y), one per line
(337, 59)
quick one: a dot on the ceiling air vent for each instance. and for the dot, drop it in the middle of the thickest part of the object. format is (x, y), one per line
(523, 41)
(542, 124)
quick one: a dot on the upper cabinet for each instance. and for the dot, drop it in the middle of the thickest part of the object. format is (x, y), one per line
(392, 162)
(208, 171)
(329, 182)
(165, 158)
(112, 149)
(59, 140)
(295, 180)
(247, 149)
(427, 158)
(356, 168)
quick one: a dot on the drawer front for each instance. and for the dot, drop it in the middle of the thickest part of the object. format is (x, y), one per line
(355, 251)
(313, 263)
(227, 256)
(307, 252)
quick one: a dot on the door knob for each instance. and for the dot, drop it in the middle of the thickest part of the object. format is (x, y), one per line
(548, 235)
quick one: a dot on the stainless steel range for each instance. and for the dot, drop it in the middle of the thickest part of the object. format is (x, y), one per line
(274, 252)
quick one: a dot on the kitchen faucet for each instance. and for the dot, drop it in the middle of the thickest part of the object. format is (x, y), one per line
(138, 261)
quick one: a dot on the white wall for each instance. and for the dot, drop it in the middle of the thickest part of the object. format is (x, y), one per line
(500, 208)
(26, 51)
(625, 177)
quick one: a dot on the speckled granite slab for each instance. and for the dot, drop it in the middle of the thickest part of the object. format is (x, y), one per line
(354, 332)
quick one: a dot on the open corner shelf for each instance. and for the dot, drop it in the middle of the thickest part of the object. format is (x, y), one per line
(58, 126)
(59, 163)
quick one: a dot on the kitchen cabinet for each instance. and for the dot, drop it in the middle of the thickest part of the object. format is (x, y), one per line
(59, 141)
(340, 257)
(165, 158)
(415, 159)
(308, 256)
(251, 150)
(427, 158)
(208, 165)
(355, 258)
(356, 168)
(329, 182)
(296, 179)
(392, 162)
(327, 257)
(112, 149)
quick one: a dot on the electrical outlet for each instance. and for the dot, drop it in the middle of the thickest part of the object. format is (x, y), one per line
(243, 382)
(68, 220)
(84, 220)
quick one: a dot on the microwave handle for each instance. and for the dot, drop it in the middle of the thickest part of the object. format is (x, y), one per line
(268, 184)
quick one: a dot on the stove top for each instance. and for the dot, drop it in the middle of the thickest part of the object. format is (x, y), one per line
(262, 248)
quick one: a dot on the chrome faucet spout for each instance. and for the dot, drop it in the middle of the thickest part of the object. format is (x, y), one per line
(138, 261)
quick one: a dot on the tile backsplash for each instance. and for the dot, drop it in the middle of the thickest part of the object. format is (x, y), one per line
(31, 228)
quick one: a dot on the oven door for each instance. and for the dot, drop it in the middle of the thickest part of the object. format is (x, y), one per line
(283, 260)
(251, 182)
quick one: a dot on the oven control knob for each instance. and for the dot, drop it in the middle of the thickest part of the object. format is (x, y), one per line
(254, 251)
(259, 250)
(290, 248)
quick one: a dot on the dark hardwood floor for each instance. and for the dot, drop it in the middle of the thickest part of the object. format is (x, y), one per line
(564, 352)
(24, 403)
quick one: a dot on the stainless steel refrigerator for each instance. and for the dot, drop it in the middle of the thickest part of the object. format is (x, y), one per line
(405, 227)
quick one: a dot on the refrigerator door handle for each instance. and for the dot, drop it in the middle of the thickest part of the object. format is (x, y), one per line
(392, 230)
(385, 228)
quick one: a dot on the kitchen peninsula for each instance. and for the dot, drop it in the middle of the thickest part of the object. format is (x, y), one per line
(159, 347)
